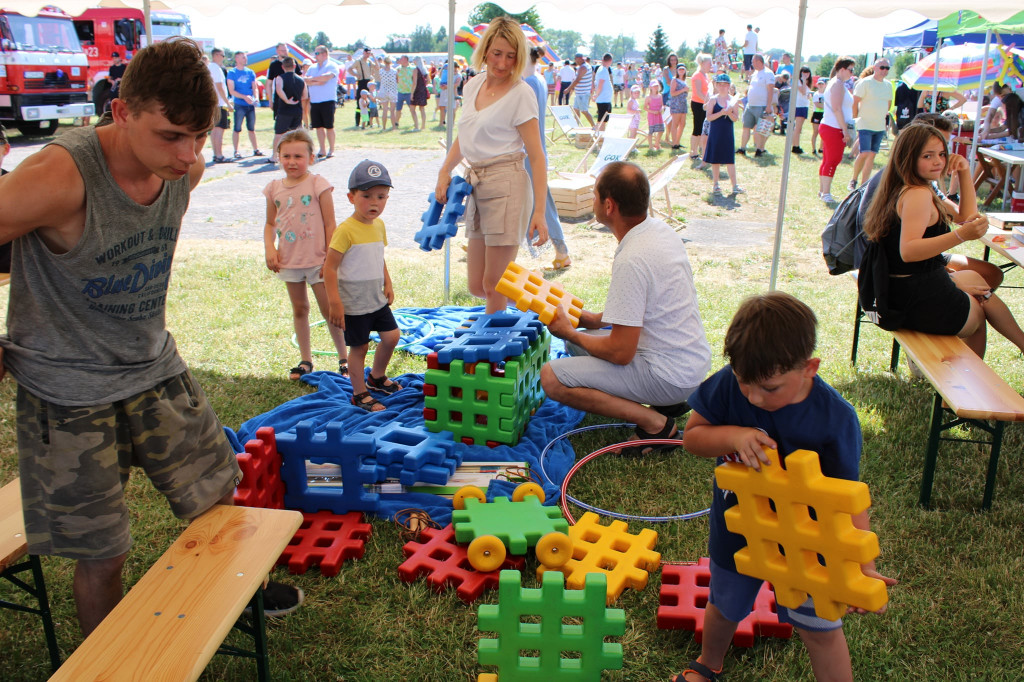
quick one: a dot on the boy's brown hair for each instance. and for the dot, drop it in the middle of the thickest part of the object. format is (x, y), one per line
(770, 334)
(171, 75)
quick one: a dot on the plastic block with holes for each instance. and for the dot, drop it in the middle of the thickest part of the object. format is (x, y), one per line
(622, 557)
(530, 291)
(440, 220)
(540, 636)
(261, 484)
(445, 563)
(326, 540)
(785, 538)
(412, 454)
(519, 525)
(331, 447)
(684, 598)
(526, 324)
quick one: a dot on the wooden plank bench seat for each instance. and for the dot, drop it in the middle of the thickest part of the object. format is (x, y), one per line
(967, 391)
(172, 622)
(15, 560)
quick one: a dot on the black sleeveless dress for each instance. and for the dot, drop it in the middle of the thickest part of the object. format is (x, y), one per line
(926, 294)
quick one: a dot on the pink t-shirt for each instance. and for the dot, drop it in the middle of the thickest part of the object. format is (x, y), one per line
(653, 105)
(301, 238)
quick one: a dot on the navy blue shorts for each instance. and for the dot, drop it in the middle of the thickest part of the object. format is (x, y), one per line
(247, 113)
(358, 327)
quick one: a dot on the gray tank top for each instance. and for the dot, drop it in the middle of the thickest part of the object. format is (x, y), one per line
(86, 327)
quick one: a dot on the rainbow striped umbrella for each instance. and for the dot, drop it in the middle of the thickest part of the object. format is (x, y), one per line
(960, 68)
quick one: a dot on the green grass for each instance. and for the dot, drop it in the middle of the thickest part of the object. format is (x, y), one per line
(954, 615)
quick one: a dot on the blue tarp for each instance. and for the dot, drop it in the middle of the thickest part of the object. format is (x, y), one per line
(331, 403)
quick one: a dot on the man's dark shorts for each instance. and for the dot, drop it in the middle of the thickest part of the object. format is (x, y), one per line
(247, 113)
(358, 327)
(604, 109)
(748, 62)
(75, 461)
(321, 115)
(287, 121)
(225, 121)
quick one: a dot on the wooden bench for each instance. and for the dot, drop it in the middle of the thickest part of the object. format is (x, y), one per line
(15, 559)
(967, 391)
(172, 622)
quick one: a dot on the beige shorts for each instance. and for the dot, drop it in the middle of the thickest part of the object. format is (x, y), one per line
(499, 208)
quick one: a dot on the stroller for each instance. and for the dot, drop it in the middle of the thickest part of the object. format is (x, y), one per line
(784, 95)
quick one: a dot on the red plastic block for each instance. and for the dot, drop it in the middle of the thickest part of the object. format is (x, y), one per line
(684, 596)
(445, 563)
(261, 484)
(326, 540)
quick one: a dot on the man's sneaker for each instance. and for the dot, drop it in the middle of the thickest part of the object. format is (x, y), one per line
(798, 150)
(758, 152)
(736, 189)
(280, 599)
(827, 198)
(742, 150)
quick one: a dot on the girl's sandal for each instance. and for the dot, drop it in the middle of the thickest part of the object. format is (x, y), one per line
(303, 368)
(383, 385)
(559, 264)
(365, 401)
(700, 669)
(343, 368)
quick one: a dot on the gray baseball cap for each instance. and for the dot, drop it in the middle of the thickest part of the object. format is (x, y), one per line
(368, 174)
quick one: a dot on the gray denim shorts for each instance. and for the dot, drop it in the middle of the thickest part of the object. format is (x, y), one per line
(74, 463)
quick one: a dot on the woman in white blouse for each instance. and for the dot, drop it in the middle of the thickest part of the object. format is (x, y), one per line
(498, 122)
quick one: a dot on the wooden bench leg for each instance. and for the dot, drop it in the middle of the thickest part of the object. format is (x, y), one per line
(37, 590)
(257, 629)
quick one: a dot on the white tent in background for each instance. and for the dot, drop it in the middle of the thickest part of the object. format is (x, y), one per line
(993, 10)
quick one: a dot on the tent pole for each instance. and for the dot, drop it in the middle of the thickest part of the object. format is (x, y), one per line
(147, 11)
(449, 117)
(787, 152)
(935, 80)
(977, 110)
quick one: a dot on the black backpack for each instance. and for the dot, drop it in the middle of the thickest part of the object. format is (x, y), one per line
(841, 233)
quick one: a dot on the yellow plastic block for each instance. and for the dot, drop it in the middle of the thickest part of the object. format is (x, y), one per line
(795, 490)
(530, 291)
(624, 558)
(487, 677)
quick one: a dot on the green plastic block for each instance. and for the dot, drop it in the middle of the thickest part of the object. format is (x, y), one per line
(519, 525)
(551, 650)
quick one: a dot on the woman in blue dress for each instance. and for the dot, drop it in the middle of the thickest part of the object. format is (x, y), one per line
(722, 114)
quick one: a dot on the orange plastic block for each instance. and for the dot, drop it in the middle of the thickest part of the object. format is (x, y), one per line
(789, 528)
(530, 291)
(624, 558)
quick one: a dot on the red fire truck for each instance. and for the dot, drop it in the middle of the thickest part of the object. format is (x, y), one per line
(43, 71)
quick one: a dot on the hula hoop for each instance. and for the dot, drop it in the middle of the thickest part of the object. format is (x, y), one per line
(566, 498)
(398, 318)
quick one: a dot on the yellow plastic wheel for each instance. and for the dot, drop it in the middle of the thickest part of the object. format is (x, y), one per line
(465, 492)
(554, 550)
(486, 553)
(524, 489)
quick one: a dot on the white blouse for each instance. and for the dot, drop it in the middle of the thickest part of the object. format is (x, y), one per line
(485, 134)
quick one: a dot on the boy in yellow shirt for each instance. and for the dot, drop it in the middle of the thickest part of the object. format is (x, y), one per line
(359, 286)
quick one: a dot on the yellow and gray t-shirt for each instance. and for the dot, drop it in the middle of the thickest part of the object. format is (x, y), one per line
(361, 273)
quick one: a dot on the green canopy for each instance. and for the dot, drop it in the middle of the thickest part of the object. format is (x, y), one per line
(966, 21)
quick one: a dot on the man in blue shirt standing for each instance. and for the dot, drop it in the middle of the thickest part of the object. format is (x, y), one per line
(242, 86)
(322, 82)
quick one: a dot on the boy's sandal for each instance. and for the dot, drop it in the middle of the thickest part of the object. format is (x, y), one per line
(383, 384)
(700, 669)
(670, 430)
(343, 368)
(365, 401)
(301, 370)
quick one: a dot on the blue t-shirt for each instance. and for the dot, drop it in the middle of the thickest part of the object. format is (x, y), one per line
(823, 422)
(244, 80)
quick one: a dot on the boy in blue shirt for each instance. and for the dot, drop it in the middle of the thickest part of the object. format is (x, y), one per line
(769, 395)
(242, 86)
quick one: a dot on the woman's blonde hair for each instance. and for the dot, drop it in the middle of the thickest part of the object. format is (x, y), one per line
(509, 30)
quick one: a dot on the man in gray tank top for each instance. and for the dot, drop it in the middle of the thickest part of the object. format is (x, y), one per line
(101, 386)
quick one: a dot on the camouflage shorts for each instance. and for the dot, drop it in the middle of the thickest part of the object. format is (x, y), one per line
(74, 463)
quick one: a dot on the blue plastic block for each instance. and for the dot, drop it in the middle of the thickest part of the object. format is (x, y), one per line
(332, 447)
(412, 454)
(440, 221)
(482, 347)
(527, 324)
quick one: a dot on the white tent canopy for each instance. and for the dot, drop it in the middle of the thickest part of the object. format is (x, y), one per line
(993, 10)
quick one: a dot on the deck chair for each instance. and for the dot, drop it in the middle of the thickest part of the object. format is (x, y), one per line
(659, 181)
(566, 124)
(573, 192)
(617, 125)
